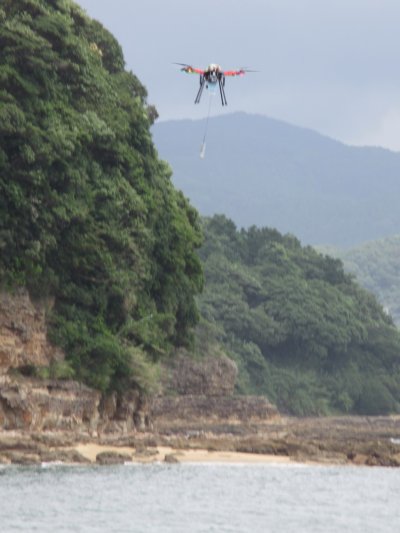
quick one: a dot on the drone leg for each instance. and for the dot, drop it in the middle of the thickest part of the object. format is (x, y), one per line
(222, 91)
(202, 83)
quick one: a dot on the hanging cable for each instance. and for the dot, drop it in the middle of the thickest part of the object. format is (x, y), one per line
(203, 145)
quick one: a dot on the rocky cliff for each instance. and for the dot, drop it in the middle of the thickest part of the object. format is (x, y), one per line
(23, 332)
(199, 393)
(33, 404)
(195, 392)
(36, 405)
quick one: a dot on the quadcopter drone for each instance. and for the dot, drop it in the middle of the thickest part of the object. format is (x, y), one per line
(211, 76)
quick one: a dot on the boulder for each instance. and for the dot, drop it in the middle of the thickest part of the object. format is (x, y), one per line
(112, 458)
(63, 456)
(25, 459)
(171, 458)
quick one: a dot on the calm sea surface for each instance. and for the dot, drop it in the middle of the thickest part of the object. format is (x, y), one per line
(200, 498)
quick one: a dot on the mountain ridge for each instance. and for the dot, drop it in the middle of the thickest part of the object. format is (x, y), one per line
(266, 172)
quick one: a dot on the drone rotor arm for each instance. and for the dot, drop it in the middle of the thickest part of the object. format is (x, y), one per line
(189, 69)
(234, 72)
(240, 72)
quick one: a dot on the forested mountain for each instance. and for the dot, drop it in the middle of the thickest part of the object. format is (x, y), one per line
(268, 173)
(376, 265)
(301, 330)
(88, 214)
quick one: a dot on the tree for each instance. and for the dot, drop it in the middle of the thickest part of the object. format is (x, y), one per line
(300, 329)
(87, 210)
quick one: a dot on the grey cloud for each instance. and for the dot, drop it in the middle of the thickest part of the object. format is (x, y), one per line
(320, 62)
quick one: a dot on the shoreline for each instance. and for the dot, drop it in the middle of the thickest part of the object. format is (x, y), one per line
(353, 441)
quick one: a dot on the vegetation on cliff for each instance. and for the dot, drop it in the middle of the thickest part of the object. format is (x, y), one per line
(88, 213)
(301, 330)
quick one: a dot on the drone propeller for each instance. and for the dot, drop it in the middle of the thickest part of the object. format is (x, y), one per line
(245, 69)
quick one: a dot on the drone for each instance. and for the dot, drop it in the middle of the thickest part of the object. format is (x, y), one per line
(211, 76)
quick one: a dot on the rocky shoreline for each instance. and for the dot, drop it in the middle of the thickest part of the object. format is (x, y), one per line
(370, 441)
(195, 417)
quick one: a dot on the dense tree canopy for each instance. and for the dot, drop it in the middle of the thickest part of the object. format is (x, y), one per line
(87, 210)
(302, 331)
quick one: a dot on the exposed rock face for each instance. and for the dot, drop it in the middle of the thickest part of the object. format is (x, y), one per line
(35, 405)
(23, 332)
(168, 411)
(211, 376)
(44, 404)
(200, 392)
(124, 413)
(195, 390)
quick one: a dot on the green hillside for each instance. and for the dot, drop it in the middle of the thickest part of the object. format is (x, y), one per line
(88, 213)
(301, 330)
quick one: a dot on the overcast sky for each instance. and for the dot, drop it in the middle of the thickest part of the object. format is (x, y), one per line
(330, 65)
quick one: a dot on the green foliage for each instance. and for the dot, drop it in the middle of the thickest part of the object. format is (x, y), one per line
(375, 398)
(56, 370)
(87, 210)
(300, 329)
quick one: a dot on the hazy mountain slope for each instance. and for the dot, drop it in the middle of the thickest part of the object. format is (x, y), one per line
(376, 265)
(268, 173)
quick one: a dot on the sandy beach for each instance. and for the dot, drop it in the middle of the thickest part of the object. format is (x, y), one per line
(91, 450)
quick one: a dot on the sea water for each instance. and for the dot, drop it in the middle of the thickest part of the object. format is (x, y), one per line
(200, 498)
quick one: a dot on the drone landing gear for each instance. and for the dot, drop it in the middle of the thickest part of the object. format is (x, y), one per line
(202, 83)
